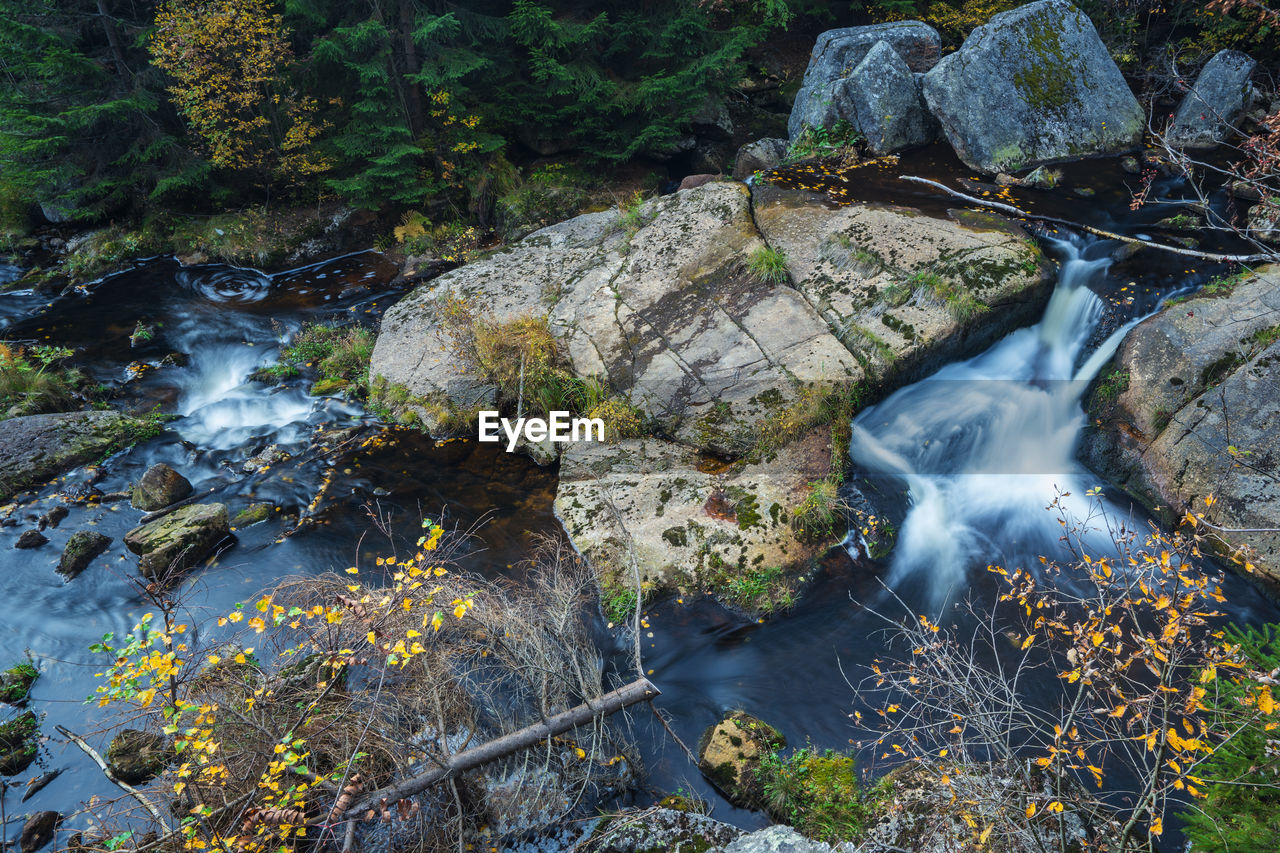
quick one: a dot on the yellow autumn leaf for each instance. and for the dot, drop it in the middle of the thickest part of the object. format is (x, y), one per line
(1031, 810)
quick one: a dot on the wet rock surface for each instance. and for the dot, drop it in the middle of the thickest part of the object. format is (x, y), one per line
(36, 448)
(81, 549)
(729, 754)
(160, 486)
(179, 540)
(1215, 102)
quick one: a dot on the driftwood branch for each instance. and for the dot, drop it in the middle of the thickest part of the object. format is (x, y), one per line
(640, 690)
(110, 774)
(1100, 232)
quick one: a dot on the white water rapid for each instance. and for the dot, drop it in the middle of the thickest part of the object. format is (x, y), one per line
(982, 445)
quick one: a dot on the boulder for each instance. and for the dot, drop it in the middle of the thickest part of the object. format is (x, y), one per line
(906, 293)
(31, 539)
(18, 743)
(179, 540)
(138, 756)
(682, 524)
(672, 825)
(759, 156)
(159, 487)
(888, 108)
(1214, 103)
(779, 839)
(1190, 408)
(38, 831)
(658, 302)
(36, 448)
(729, 754)
(1033, 85)
(82, 548)
(820, 101)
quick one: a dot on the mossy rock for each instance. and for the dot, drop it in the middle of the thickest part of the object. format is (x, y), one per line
(18, 743)
(138, 756)
(730, 752)
(326, 387)
(253, 514)
(82, 548)
(16, 681)
(159, 487)
(179, 540)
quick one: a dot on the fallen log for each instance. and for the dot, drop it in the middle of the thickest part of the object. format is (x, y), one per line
(1080, 226)
(640, 690)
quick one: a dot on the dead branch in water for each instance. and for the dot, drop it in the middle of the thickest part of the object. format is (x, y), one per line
(1100, 232)
(114, 779)
(639, 690)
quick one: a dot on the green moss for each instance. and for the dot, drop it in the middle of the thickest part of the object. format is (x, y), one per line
(252, 514)
(819, 793)
(18, 743)
(16, 681)
(677, 536)
(746, 507)
(1046, 82)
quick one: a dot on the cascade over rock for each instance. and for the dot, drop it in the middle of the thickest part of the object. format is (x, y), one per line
(1033, 85)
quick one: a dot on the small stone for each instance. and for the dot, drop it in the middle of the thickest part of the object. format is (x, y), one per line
(1131, 165)
(1042, 178)
(82, 548)
(16, 681)
(759, 156)
(38, 831)
(252, 514)
(1004, 179)
(31, 539)
(159, 487)
(53, 517)
(694, 181)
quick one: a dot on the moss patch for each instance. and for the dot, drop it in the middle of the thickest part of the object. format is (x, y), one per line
(16, 681)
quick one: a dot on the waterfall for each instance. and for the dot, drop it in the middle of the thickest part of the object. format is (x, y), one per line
(983, 445)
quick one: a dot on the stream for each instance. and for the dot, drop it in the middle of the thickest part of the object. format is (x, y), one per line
(966, 460)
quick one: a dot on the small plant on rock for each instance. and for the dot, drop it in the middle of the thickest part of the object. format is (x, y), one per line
(768, 266)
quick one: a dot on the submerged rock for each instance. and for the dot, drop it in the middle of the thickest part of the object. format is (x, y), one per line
(1215, 102)
(159, 487)
(1033, 85)
(38, 831)
(36, 448)
(137, 756)
(1190, 408)
(179, 540)
(823, 98)
(730, 752)
(82, 548)
(31, 539)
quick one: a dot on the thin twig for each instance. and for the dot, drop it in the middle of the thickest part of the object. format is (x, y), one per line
(116, 780)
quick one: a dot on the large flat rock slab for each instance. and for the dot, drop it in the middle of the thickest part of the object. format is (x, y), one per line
(659, 303)
(906, 292)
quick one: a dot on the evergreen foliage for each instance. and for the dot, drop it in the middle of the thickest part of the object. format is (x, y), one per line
(1241, 810)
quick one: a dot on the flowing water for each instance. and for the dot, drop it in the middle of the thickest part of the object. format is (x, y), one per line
(965, 462)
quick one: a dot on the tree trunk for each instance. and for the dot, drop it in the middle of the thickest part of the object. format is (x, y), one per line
(113, 41)
(610, 703)
(410, 66)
